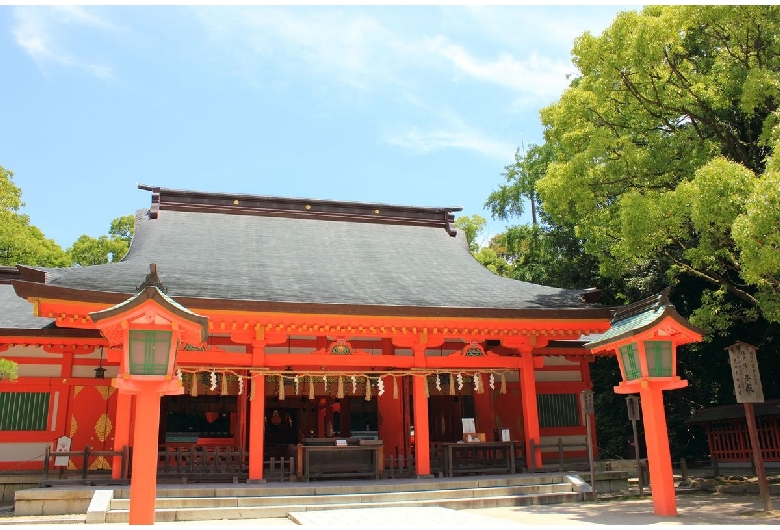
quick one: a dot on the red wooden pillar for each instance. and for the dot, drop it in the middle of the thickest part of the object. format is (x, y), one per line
(483, 411)
(530, 410)
(143, 481)
(658, 456)
(257, 428)
(124, 402)
(422, 451)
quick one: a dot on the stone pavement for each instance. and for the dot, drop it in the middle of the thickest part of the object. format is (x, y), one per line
(693, 509)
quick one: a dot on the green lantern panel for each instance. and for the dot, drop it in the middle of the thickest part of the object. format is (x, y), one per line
(149, 352)
(659, 357)
(629, 355)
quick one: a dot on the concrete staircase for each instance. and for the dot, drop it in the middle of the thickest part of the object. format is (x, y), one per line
(197, 502)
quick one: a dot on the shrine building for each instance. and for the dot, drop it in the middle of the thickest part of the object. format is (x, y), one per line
(324, 320)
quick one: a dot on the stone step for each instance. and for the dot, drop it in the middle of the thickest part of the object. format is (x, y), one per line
(249, 512)
(344, 487)
(341, 498)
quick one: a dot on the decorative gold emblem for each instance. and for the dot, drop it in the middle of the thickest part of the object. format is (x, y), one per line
(103, 427)
(100, 463)
(105, 391)
(77, 389)
(73, 426)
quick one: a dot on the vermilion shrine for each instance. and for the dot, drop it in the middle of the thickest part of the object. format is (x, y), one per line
(321, 320)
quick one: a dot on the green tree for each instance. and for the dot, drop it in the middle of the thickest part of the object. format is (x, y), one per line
(661, 147)
(87, 250)
(20, 242)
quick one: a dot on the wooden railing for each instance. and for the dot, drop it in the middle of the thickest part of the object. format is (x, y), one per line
(560, 446)
(87, 475)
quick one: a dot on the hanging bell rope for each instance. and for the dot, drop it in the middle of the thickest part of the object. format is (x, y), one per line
(281, 387)
(340, 388)
(503, 383)
(395, 388)
(452, 385)
(223, 387)
(427, 389)
(311, 387)
(194, 387)
(368, 389)
(252, 388)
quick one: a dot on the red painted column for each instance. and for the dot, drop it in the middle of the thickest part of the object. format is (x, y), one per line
(659, 458)
(124, 402)
(422, 450)
(483, 409)
(257, 429)
(143, 481)
(530, 410)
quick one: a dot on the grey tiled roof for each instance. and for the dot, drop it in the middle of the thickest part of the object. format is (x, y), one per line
(207, 254)
(728, 412)
(17, 313)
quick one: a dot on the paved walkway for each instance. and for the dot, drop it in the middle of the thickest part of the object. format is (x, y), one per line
(693, 509)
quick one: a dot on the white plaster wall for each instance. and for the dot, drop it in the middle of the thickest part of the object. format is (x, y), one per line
(22, 451)
(553, 376)
(40, 370)
(573, 439)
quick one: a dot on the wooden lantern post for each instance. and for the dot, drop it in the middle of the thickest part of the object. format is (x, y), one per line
(149, 326)
(645, 337)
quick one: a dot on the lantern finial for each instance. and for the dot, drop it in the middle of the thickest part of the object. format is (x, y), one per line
(152, 279)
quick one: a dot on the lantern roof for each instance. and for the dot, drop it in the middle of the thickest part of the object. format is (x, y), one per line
(113, 319)
(652, 317)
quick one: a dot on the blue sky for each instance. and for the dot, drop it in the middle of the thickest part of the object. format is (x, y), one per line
(406, 105)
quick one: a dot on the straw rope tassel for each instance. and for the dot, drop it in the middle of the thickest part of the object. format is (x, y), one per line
(252, 388)
(395, 388)
(223, 389)
(340, 388)
(503, 383)
(427, 390)
(194, 387)
(452, 385)
(481, 387)
(368, 389)
(281, 387)
(311, 387)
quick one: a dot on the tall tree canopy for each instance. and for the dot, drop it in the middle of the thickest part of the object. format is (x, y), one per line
(661, 163)
(20, 242)
(662, 152)
(87, 250)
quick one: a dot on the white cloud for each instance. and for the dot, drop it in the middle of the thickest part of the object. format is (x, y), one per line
(460, 138)
(38, 31)
(534, 75)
